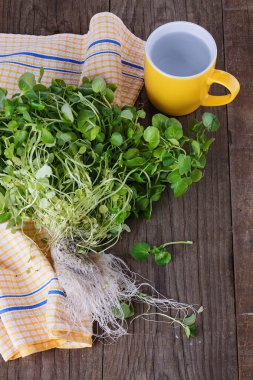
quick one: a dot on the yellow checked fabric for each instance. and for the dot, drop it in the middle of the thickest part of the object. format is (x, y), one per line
(32, 303)
(109, 49)
(33, 315)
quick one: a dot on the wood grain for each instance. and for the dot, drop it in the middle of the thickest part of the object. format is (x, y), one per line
(215, 215)
(202, 274)
(238, 18)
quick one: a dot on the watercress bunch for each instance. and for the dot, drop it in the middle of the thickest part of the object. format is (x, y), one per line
(79, 165)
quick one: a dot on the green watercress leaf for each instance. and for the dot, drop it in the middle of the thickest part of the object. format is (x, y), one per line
(187, 331)
(13, 125)
(152, 136)
(84, 116)
(200, 163)
(159, 153)
(174, 142)
(193, 330)
(140, 251)
(127, 114)
(109, 94)
(142, 203)
(91, 132)
(174, 177)
(5, 217)
(159, 120)
(180, 187)
(135, 162)
(26, 82)
(41, 74)
(207, 144)
(141, 114)
(85, 80)
(162, 257)
(116, 139)
(156, 192)
(188, 321)
(20, 137)
(2, 97)
(2, 202)
(67, 112)
(9, 151)
(131, 153)
(196, 147)
(125, 311)
(168, 161)
(174, 130)
(66, 137)
(44, 172)
(8, 108)
(47, 137)
(98, 85)
(196, 175)
(184, 164)
(210, 121)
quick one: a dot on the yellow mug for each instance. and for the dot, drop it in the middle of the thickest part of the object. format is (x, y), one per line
(179, 69)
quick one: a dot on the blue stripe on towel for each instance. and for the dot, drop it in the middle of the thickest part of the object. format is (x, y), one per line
(106, 40)
(103, 52)
(62, 59)
(37, 55)
(132, 65)
(29, 294)
(30, 307)
(61, 70)
(131, 75)
(38, 67)
(57, 292)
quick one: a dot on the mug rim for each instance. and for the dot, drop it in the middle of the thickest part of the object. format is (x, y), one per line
(188, 23)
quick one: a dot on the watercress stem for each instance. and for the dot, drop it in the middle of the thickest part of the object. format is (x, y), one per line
(176, 242)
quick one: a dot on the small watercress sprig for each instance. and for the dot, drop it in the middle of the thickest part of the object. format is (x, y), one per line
(141, 251)
(188, 323)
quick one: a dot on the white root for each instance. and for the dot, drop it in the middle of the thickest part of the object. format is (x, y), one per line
(97, 283)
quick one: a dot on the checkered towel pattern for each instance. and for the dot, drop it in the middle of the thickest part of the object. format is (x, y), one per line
(109, 49)
(33, 316)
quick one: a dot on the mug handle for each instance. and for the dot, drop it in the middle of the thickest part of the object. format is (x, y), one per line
(227, 80)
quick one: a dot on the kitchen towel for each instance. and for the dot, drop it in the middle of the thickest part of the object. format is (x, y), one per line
(33, 316)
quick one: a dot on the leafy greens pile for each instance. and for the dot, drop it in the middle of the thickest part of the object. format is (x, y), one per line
(78, 165)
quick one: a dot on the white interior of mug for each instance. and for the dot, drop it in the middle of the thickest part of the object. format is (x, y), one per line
(181, 49)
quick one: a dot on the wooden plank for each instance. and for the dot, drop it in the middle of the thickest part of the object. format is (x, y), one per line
(49, 17)
(202, 274)
(238, 32)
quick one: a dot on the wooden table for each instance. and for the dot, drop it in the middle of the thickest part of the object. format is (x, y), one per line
(216, 214)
